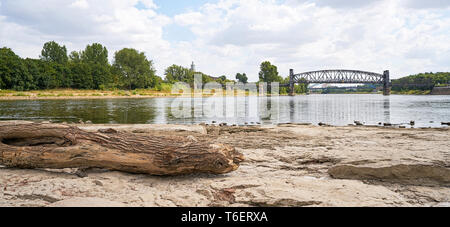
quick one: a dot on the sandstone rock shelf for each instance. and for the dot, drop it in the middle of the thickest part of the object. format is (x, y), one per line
(286, 165)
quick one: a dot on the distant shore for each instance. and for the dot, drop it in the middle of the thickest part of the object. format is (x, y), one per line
(81, 94)
(61, 94)
(92, 94)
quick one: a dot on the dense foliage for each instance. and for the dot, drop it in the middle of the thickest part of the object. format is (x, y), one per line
(422, 81)
(269, 73)
(242, 78)
(87, 69)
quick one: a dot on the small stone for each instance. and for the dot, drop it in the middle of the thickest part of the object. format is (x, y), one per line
(98, 183)
(81, 173)
(88, 122)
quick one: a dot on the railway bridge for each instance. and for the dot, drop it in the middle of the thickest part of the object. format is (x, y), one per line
(339, 76)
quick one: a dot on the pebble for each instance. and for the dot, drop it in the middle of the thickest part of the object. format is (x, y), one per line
(358, 123)
(98, 183)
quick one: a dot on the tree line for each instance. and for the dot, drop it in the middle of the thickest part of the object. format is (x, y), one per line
(91, 69)
(422, 81)
(86, 69)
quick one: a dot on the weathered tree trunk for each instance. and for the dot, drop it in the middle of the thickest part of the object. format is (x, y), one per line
(61, 146)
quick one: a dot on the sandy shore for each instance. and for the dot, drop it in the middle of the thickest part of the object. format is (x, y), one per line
(33, 97)
(286, 165)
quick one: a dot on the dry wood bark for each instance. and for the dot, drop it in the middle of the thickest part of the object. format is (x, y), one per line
(61, 146)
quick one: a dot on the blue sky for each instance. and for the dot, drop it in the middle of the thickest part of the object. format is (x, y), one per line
(224, 37)
(174, 7)
(174, 32)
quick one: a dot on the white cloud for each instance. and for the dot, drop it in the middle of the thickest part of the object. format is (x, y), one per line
(116, 24)
(307, 36)
(337, 3)
(149, 4)
(237, 35)
(83, 4)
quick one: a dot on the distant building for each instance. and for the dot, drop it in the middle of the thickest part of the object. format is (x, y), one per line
(193, 67)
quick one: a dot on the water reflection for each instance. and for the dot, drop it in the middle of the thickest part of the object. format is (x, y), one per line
(331, 109)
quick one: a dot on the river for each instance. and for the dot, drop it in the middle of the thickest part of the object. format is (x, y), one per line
(426, 111)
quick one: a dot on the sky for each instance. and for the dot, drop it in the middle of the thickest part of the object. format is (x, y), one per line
(224, 37)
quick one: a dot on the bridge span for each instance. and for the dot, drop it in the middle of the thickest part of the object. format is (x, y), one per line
(339, 76)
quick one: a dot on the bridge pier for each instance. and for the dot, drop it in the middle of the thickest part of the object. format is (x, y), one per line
(386, 83)
(291, 83)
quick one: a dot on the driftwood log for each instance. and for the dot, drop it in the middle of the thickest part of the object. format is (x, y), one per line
(56, 146)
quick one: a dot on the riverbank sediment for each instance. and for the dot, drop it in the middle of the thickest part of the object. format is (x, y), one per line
(286, 165)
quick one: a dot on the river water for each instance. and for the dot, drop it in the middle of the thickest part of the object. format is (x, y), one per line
(426, 111)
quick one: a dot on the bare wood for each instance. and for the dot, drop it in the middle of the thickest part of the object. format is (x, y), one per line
(61, 146)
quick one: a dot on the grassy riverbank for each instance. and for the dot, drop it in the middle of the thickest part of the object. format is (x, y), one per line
(92, 94)
(75, 94)
(411, 92)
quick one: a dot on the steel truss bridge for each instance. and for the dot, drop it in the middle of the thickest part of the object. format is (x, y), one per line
(339, 76)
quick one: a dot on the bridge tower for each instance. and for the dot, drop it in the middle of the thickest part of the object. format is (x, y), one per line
(291, 83)
(386, 83)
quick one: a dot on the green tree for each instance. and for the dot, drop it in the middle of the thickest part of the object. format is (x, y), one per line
(269, 73)
(53, 52)
(242, 78)
(75, 57)
(134, 69)
(96, 56)
(48, 77)
(176, 73)
(81, 75)
(13, 71)
(422, 81)
(223, 78)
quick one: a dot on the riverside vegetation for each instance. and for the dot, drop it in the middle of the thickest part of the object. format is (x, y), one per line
(88, 73)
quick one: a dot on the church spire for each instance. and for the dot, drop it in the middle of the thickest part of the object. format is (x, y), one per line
(193, 67)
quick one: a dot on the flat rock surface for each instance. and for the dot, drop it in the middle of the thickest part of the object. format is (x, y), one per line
(286, 165)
